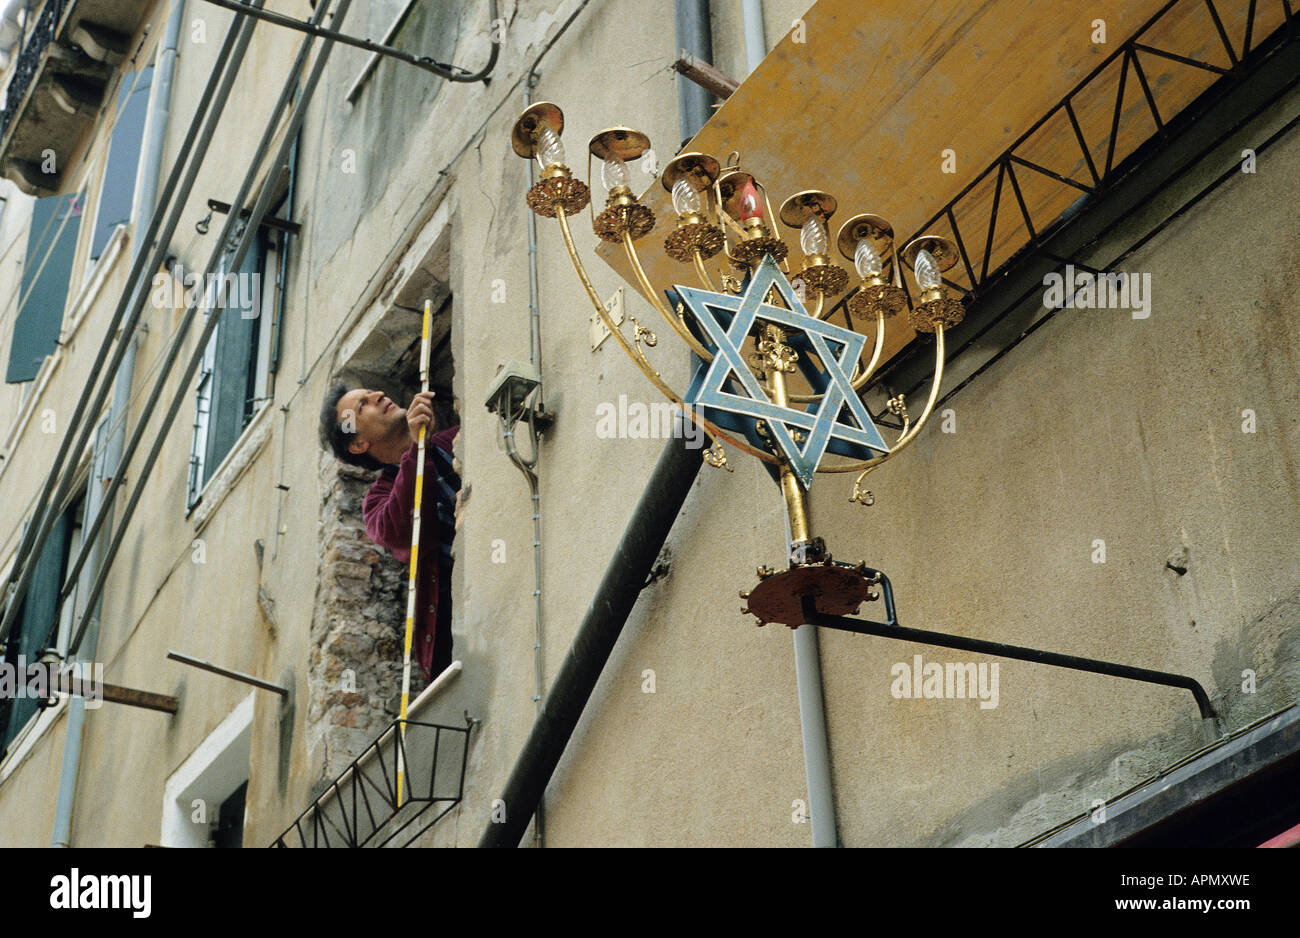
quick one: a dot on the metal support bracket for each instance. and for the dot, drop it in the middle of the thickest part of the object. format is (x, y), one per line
(449, 72)
(1210, 719)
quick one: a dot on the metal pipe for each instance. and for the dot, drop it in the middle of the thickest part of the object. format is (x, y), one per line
(178, 341)
(81, 421)
(622, 583)
(146, 195)
(228, 672)
(449, 72)
(601, 626)
(535, 358)
(1016, 652)
(755, 41)
(694, 35)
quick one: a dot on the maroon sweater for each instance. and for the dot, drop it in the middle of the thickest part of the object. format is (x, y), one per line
(387, 509)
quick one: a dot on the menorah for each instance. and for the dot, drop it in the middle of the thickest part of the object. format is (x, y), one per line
(752, 335)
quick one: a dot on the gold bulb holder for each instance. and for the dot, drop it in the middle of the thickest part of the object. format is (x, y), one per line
(821, 277)
(758, 241)
(700, 169)
(872, 227)
(935, 306)
(796, 210)
(556, 190)
(877, 296)
(623, 143)
(529, 124)
(623, 213)
(693, 233)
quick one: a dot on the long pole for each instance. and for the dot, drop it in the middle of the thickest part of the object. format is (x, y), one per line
(415, 552)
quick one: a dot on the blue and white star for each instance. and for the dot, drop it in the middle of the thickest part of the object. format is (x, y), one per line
(837, 348)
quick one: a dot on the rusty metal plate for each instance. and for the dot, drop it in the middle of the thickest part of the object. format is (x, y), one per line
(839, 590)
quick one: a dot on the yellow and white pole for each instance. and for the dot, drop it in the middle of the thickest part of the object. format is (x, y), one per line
(415, 555)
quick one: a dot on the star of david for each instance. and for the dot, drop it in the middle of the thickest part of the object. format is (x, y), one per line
(714, 387)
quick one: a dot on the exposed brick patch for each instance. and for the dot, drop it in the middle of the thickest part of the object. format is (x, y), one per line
(357, 625)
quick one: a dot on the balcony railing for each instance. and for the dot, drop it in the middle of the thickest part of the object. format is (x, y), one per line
(29, 61)
(59, 86)
(359, 808)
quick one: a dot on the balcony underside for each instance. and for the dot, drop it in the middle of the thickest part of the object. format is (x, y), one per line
(60, 87)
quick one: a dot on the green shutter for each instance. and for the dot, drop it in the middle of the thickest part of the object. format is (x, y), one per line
(123, 160)
(35, 622)
(235, 358)
(44, 289)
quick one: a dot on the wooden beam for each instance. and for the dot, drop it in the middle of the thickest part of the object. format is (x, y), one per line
(705, 75)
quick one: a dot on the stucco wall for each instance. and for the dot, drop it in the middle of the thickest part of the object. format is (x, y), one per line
(1098, 426)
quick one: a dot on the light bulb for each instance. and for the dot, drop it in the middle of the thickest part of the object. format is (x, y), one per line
(751, 206)
(614, 173)
(549, 148)
(812, 236)
(866, 260)
(685, 198)
(927, 271)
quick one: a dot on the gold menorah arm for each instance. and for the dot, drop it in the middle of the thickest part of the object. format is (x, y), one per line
(706, 280)
(678, 325)
(860, 376)
(908, 434)
(639, 358)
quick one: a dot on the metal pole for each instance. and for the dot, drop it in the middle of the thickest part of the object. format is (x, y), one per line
(449, 72)
(1016, 652)
(694, 35)
(81, 421)
(174, 350)
(227, 672)
(415, 553)
(250, 232)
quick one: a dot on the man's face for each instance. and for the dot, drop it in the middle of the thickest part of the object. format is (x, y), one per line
(372, 415)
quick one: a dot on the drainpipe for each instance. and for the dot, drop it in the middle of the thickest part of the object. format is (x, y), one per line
(601, 626)
(529, 468)
(695, 35)
(807, 653)
(109, 453)
(755, 44)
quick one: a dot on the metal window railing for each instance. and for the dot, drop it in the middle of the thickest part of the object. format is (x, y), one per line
(359, 808)
(993, 239)
(29, 60)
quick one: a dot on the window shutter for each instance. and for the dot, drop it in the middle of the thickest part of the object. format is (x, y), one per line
(35, 622)
(44, 289)
(118, 186)
(235, 358)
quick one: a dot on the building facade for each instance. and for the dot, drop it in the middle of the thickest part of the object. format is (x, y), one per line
(1109, 481)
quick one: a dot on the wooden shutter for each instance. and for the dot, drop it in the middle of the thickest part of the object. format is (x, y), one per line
(35, 622)
(118, 186)
(51, 244)
(235, 358)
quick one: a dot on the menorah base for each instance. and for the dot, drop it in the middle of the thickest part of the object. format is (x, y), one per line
(837, 588)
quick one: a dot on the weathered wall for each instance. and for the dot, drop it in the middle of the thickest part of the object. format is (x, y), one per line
(1072, 437)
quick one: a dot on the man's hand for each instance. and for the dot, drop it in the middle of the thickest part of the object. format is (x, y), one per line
(420, 414)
